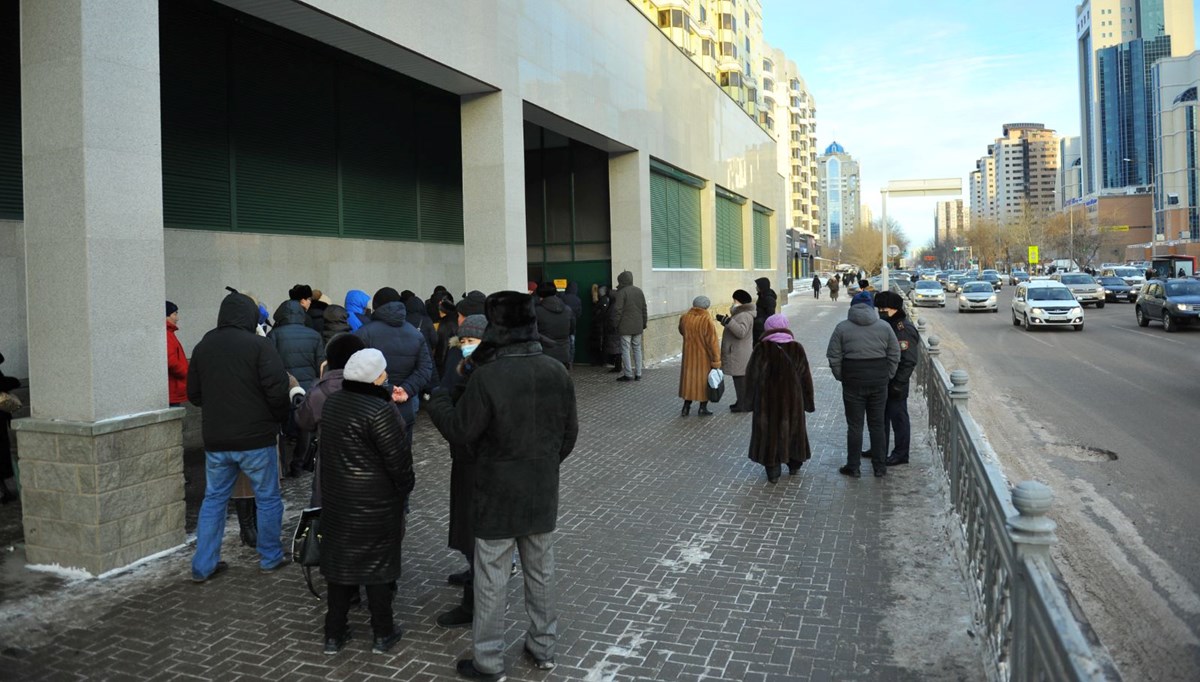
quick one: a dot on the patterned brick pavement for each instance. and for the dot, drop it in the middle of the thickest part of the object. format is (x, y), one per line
(676, 561)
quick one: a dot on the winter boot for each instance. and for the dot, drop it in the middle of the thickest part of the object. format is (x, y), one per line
(247, 513)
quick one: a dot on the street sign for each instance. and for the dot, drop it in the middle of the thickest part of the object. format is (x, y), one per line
(928, 257)
(1033, 255)
(1115, 228)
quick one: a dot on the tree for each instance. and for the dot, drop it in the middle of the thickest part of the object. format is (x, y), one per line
(863, 247)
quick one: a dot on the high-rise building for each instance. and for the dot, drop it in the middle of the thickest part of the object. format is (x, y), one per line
(837, 173)
(865, 215)
(983, 187)
(1017, 175)
(1068, 186)
(951, 221)
(1117, 41)
(1176, 111)
(789, 113)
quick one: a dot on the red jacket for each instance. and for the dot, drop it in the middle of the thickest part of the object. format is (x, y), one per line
(177, 367)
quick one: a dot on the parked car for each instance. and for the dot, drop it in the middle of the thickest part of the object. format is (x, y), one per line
(928, 292)
(1084, 286)
(1045, 303)
(977, 296)
(991, 277)
(1115, 289)
(1174, 302)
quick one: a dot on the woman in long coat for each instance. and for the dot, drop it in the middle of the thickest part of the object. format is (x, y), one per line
(700, 355)
(780, 386)
(834, 284)
(366, 476)
(737, 344)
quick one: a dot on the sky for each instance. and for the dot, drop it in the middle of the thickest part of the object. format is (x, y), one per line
(919, 89)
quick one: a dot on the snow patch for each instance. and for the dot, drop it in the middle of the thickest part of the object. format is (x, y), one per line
(63, 572)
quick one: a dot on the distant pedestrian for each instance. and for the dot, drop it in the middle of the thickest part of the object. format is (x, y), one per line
(631, 319)
(518, 412)
(834, 284)
(816, 286)
(358, 308)
(571, 298)
(302, 350)
(239, 381)
(737, 345)
(556, 324)
(415, 314)
(366, 478)
(895, 415)
(863, 355)
(701, 354)
(766, 305)
(177, 364)
(780, 389)
(302, 294)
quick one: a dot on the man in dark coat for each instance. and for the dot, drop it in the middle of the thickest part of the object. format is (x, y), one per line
(556, 324)
(239, 380)
(571, 298)
(518, 414)
(409, 362)
(630, 318)
(302, 350)
(366, 477)
(895, 414)
(765, 306)
(302, 294)
(414, 313)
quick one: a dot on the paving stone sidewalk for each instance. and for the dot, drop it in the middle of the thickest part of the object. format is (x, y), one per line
(676, 561)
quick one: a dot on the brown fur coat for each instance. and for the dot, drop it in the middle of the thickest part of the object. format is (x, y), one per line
(701, 353)
(780, 388)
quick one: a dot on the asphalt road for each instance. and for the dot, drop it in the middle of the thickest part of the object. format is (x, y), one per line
(1109, 417)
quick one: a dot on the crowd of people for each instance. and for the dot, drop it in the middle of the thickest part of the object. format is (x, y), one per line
(344, 383)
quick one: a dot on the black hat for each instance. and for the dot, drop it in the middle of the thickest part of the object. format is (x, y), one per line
(171, 308)
(471, 304)
(547, 289)
(889, 299)
(510, 309)
(383, 297)
(300, 292)
(742, 296)
(340, 348)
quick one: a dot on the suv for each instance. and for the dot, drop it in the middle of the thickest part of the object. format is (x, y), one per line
(1174, 301)
(1083, 285)
(1045, 303)
(1134, 277)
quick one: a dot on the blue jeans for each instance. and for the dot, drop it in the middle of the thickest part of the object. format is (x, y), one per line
(221, 470)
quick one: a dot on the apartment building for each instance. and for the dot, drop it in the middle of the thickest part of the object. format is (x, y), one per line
(840, 187)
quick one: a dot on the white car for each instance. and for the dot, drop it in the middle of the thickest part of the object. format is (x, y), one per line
(928, 292)
(1045, 303)
(977, 296)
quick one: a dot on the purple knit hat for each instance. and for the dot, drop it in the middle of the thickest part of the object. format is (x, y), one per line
(775, 323)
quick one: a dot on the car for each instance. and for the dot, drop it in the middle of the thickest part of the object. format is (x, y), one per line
(955, 282)
(991, 277)
(1175, 302)
(1045, 303)
(1018, 276)
(1115, 289)
(942, 277)
(977, 296)
(903, 286)
(1134, 277)
(928, 292)
(1085, 287)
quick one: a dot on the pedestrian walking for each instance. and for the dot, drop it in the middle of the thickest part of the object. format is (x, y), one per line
(765, 306)
(780, 386)
(177, 364)
(895, 414)
(863, 355)
(834, 284)
(309, 412)
(518, 413)
(366, 477)
(556, 324)
(737, 345)
(816, 286)
(701, 354)
(409, 363)
(631, 315)
(239, 380)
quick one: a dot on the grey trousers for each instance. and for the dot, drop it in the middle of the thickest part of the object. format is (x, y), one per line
(631, 355)
(492, 567)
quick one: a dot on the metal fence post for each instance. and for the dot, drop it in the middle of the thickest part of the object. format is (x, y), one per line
(958, 389)
(1032, 534)
(934, 342)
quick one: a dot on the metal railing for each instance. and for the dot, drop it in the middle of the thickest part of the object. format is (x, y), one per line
(1030, 631)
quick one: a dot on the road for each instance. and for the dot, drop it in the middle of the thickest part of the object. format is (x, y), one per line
(1109, 417)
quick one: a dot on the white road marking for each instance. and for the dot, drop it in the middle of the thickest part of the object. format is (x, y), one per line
(1153, 336)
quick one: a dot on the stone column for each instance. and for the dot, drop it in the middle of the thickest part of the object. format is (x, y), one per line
(101, 460)
(629, 214)
(493, 148)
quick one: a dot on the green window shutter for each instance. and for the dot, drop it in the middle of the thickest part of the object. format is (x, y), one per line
(690, 253)
(439, 162)
(762, 240)
(12, 200)
(284, 137)
(659, 241)
(729, 234)
(376, 157)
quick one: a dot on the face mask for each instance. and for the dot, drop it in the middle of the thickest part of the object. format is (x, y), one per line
(883, 314)
(467, 350)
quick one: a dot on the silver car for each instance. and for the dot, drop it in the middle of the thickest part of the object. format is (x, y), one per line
(928, 292)
(977, 296)
(1085, 287)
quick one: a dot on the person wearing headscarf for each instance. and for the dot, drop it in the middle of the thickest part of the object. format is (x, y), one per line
(780, 389)
(701, 354)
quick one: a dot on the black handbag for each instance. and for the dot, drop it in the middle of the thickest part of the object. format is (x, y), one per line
(714, 394)
(306, 544)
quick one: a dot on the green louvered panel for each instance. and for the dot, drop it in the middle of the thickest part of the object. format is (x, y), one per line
(12, 202)
(690, 253)
(436, 118)
(762, 241)
(195, 121)
(729, 234)
(284, 137)
(660, 246)
(378, 162)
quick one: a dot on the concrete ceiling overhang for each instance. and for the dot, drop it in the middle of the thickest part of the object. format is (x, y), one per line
(551, 121)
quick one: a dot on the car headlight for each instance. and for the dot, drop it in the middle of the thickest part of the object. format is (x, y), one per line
(1101, 290)
(962, 297)
(991, 299)
(1077, 311)
(1183, 307)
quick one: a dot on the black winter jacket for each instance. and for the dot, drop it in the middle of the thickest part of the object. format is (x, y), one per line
(518, 415)
(409, 364)
(366, 476)
(765, 306)
(415, 314)
(316, 316)
(337, 321)
(556, 324)
(301, 348)
(571, 298)
(910, 351)
(238, 379)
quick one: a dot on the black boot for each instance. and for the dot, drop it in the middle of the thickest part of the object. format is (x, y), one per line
(703, 411)
(247, 513)
(463, 615)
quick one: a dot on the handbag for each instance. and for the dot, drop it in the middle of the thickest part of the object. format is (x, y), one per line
(9, 403)
(716, 385)
(306, 544)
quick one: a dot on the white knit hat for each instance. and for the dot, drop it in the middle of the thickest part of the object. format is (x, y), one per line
(366, 365)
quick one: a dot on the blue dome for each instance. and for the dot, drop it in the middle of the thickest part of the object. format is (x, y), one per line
(835, 148)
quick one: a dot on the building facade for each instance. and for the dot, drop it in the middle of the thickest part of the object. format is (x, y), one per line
(951, 221)
(838, 177)
(1176, 112)
(1017, 176)
(1068, 186)
(983, 187)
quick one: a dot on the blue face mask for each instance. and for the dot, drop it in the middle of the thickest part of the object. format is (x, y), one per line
(467, 350)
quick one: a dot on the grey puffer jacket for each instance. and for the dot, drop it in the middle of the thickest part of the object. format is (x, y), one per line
(863, 350)
(629, 307)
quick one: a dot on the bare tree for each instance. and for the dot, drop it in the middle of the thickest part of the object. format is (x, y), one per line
(863, 247)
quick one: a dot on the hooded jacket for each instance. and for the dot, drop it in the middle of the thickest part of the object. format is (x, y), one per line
(765, 306)
(239, 380)
(629, 307)
(863, 350)
(415, 315)
(409, 363)
(357, 303)
(571, 298)
(300, 347)
(177, 367)
(337, 321)
(556, 324)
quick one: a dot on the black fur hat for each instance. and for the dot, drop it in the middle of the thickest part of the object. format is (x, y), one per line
(340, 348)
(511, 309)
